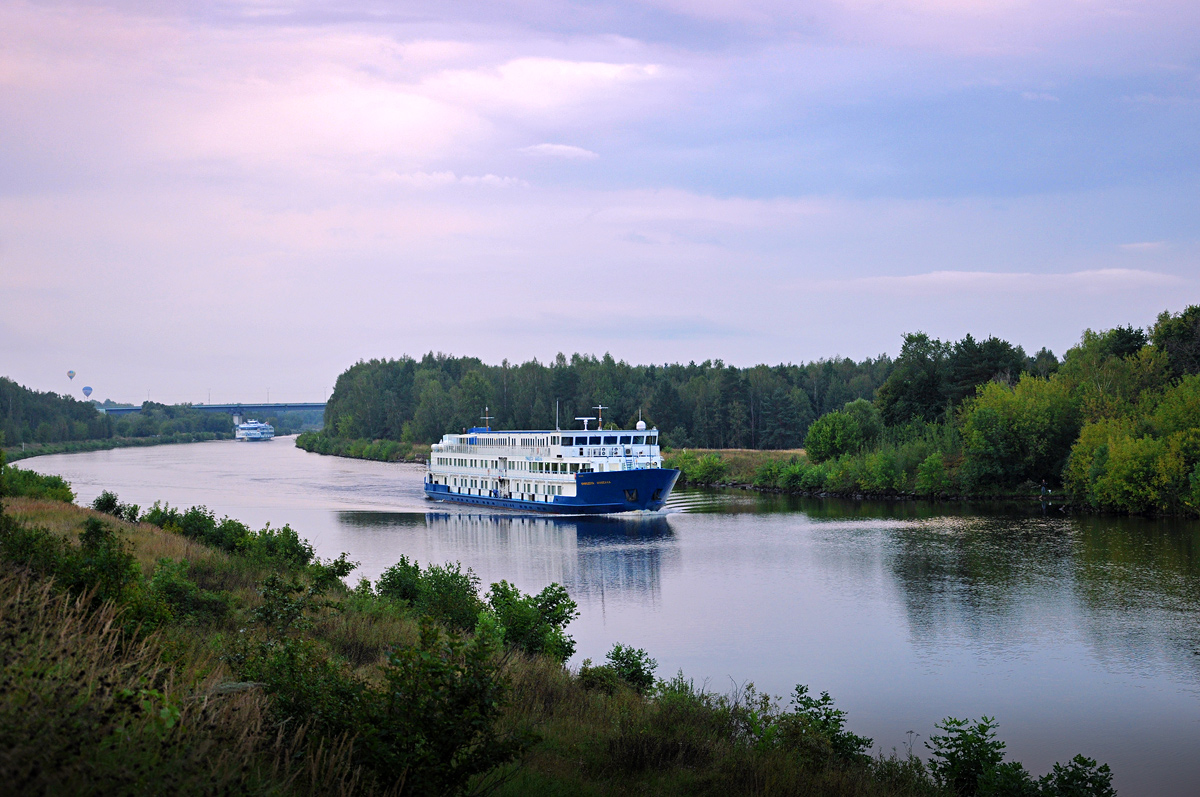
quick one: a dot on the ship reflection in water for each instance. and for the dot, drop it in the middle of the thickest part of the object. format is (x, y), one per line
(603, 559)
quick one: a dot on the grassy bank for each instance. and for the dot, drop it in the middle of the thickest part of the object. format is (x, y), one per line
(14, 453)
(894, 473)
(169, 650)
(378, 450)
(724, 465)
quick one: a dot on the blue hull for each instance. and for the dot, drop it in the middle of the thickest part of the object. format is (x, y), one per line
(596, 494)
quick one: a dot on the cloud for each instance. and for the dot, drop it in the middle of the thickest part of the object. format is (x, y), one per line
(564, 151)
(1145, 246)
(982, 283)
(1038, 96)
(429, 180)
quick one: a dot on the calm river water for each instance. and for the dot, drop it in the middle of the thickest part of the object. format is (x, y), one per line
(1079, 634)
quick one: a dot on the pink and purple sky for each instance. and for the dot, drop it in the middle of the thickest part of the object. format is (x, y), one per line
(228, 198)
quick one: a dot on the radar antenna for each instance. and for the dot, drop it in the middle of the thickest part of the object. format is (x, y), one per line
(585, 422)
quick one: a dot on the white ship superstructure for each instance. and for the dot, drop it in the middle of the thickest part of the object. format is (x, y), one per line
(254, 430)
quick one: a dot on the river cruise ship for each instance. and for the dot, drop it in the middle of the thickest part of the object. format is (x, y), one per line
(254, 430)
(588, 472)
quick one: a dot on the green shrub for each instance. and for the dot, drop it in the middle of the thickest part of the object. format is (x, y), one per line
(964, 754)
(818, 713)
(768, 474)
(535, 623)
(598, 678)
(28, 484)
(401, 581)
(451, 596)
(814, 478)
(1080, 777)
(969, 760)
(1025, 432)
(433, 724)
(429, 727)
(102, 564)
(632, 666)
(186, 601)
(444, 592)
(709, 469)
(831, 435)
(931, 475)
(880, 472)
(107, 502)
(792, 476)
(278, 546)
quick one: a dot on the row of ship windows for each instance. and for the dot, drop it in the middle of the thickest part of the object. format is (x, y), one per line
(611, 440)
(536, 467)
(567, 440)
(535, 488)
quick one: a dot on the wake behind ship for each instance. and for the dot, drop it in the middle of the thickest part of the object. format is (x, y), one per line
(588, 472)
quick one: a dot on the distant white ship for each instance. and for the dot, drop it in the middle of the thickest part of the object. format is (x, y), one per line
(253, 430)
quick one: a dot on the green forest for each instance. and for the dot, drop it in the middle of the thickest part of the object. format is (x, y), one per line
(1115, 422)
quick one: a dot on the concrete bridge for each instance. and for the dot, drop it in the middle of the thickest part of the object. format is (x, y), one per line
(239, 410)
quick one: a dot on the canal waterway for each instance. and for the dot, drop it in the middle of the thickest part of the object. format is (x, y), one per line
(1079, 634)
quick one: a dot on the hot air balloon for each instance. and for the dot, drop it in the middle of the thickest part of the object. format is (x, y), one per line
(70, 374)
(87, 391)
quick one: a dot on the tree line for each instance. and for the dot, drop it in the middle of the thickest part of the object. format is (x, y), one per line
(1116, 425)
(707, 405)
(35, 417)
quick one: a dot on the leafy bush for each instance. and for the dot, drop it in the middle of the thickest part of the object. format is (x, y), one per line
(968, 760)
(709, 469)
(428, 728)
(1080, 777)
(281, 546)
(814, 477)
(818, 713)
(401, 581)
(964, 754)
(451, 596)
(768, 474)
(444, 592)
(598, 678)
(1017, 434)
(535, 623)
(791, 477)
(831, 435)
(27, 484)
(931, 475)
(433, 724)
(187, 601)
(633, 666)
(108, 503)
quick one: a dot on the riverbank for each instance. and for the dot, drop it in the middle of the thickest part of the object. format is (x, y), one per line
(375, 450)
(791, 473)
(14, 453)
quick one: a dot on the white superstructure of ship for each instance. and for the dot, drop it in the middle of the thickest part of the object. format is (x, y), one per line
(253, 431)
